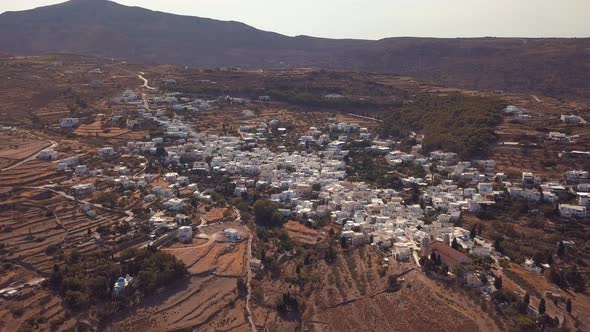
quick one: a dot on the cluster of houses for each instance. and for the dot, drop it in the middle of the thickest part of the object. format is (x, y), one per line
(311, 187)
(517, 112)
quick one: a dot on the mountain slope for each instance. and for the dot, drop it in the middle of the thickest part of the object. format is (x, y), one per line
(104, 28)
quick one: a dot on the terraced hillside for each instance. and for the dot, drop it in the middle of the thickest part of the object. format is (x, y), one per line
(36, 224)
(207, 300)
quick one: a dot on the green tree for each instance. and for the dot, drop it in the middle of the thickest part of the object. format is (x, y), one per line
(498, 282)
(392, 284)
(266, 214)
(76, 300)
(498, 245)
(561, 249)
(208, 160)
(527, 299)
(455, 244)
(343, 242)
(542, 307)
(97, 287)
(524, 307)
(241, 286)
(161, 152)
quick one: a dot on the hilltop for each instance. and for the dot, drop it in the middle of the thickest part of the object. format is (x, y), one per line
(554, 67)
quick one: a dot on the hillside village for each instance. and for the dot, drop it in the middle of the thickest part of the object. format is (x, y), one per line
(311, 186)
(172, 187)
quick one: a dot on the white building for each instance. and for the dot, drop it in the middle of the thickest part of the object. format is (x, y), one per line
(584, 199)
(80, 169)
(121, 284)
(571, 119)
(48, 154)
(402, 252)
(107, 151)
(232, 234)
(559, 137)
(485, 188)
(69, 122)
(568, 210)
(185, 234)
(173, 204)
(576, 176)
(530, 265)
(83, 189)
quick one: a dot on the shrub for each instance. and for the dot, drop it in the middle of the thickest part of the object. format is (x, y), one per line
(393, 285)
(76, 300)
(266, 214)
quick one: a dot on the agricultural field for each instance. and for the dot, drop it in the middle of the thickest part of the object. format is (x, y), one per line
(97, 129)
(17, 146)
(38, 308)
(208, 298)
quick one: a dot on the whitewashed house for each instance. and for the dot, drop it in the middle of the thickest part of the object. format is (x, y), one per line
(576, 176)
(232, 234)
(185, 234)
(107, 151)
(48, 154)
(69, 123)
(80, 169)
(568, 210)
(530, 265)
(173, 204)
(83, 189)
(485, 188)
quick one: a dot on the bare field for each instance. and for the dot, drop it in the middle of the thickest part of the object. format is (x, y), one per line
(34, 171)
(198, 303)
(302, 234)
(96, 129)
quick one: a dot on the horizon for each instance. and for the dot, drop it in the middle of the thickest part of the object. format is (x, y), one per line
(383, 19)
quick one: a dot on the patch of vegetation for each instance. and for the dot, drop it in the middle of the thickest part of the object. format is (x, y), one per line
(87, 280)
(371, 169)
(266, 214)
(569, 277)
(455, 123)
(318, 101)
(393, 285)
(287, 304)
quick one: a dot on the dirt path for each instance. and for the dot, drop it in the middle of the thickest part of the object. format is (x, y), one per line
(31, 157)
(145, 81)
(210, 241)
(248, 273)
(364, 117)
(129, 213)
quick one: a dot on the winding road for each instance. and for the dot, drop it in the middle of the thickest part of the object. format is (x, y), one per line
(129, 213)
(145, 81)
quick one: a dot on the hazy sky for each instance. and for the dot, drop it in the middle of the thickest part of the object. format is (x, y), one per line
(374, 19)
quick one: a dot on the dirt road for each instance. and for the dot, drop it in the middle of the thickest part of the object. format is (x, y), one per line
(145, 81)
(31, 157)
